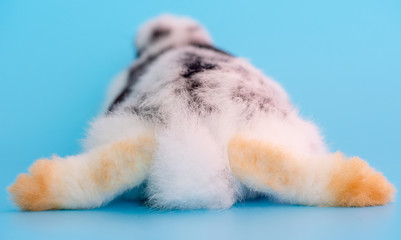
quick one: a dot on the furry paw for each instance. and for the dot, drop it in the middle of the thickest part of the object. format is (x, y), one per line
(32, 192)
(355, 184)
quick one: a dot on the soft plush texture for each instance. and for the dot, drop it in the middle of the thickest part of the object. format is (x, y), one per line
(190, 126)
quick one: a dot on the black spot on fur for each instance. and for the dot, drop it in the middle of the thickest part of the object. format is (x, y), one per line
(195, 64)
(194, 86)
(252, 99)
(139, 53)
(123, 95)
(255, 101)
(211, 48)
(197, 103)
(150, 113)
(134, 74)
(158, 34)
(194, 90)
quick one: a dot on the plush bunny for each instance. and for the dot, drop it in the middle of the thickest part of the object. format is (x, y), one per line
(191, 126)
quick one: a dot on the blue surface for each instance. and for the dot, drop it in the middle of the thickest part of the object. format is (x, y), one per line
(339, 61)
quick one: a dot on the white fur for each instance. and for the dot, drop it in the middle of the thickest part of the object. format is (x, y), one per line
(190, 167)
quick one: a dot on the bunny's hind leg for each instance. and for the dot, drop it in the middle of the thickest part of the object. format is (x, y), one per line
(323, 179)
(87, 180)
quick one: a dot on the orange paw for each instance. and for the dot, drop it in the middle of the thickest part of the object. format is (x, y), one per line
(355, 184)
(31, 192)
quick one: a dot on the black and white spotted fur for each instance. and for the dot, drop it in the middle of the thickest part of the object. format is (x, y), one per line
(197, 97)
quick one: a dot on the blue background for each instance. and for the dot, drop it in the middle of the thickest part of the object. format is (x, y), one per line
(340, 61)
